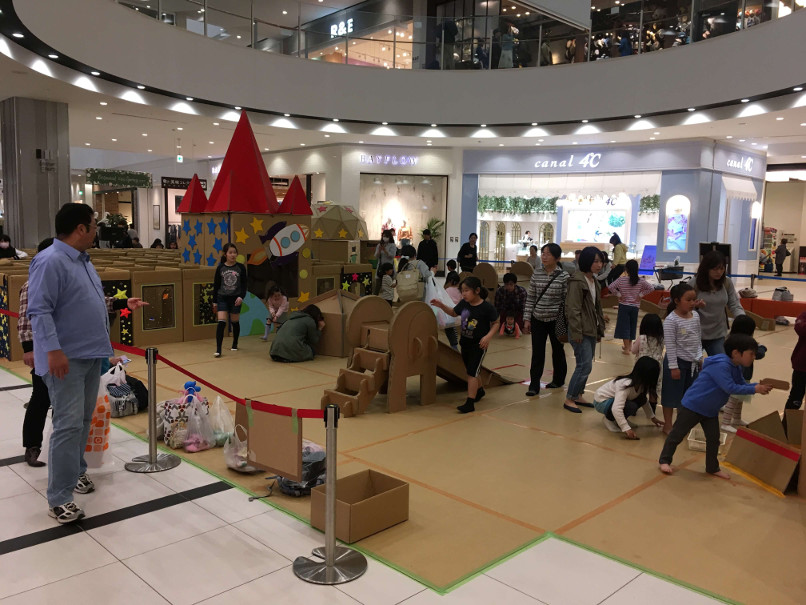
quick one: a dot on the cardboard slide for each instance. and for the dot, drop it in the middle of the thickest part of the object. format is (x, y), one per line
(450, 367)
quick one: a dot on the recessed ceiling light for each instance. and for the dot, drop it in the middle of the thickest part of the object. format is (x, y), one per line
(237, 108)
(335, 119)
(584, 121)
(534, 123)
(428, 144)
(798, 88)
(730, 136)
(574, 143)
(302, 144)
(656, 133)
(327, 136)
(188, 98)
(429, 141)
(95, 73)
(115, 140)
(285, 12)
(211, 142)
(742, 140)
(754, 143)
(288, 115)
(362, 142)
(779, 119)
(179, 147)
(692, 109)
(141, 87)
(87, 144)
(803, 157)
(17, 35)
(98, 118)
(179, 128)
(104, 103)
(53, 56)
(745, 100)
(385, 123)
(541, 140)
(537, 144)
(500, 144)
(215, 123)
(149, 151)
(145, 134)
(238, 37)
(638, 116)
(484, 125)
(433, 125)
(651, 138)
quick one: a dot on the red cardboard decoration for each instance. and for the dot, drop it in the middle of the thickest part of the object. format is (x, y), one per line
(295, 201)
(194, 199)
(243, 184)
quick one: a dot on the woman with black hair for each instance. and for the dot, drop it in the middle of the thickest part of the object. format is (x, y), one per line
(583, 310)
(6, 249)
(229, 290)
(468, 255)
(619, 259)
(630, 289)
(622, 397)
(299, 336)
(715, 292)
(385, 252)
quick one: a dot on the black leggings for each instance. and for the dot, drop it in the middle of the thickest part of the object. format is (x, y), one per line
(795, 399)
(36, 413)
(542, 331)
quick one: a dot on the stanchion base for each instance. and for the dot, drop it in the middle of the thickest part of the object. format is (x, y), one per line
(164, 462)
(348, 566)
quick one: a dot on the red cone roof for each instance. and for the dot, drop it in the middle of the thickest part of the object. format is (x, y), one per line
(295, 201)
(243, 184)
(194, 200)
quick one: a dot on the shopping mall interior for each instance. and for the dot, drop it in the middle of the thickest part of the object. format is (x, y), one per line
(300, 131)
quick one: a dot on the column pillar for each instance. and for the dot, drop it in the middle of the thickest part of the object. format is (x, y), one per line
(36, 167)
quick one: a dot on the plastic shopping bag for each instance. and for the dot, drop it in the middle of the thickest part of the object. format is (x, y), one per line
(199, 434)
(432, 291)
(235, 452)
(98, 440)
(221, 420)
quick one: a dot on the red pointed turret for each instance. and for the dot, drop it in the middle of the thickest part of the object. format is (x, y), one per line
(295, 201)
(243, 184)
(194, 199)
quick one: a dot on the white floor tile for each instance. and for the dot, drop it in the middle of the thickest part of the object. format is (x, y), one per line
(22, 394)
(283, 533)
(479, 591)
(38, 476)
(117, 435)
(382, 585)
(215, 562)
(232, 506)
(282, 588)
(114, 584)
(11, 484)
(184, 477)
(24, 514)
(45, 563)
(7, 379)
(11, 447)
(12, 415)
(560, 573)
(119, 490)
(154, 530)
(648, 589)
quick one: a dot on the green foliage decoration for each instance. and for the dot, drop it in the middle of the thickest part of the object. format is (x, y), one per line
(649, 204)
(517, 205)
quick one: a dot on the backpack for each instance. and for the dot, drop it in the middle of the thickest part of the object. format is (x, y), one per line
(408, 286)
(313, 473)
(140, 392)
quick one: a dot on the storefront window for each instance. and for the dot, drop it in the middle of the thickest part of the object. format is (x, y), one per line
(500, 241)
(678, 208)
(484, 240)
(546, 234)
(515, 234)
(755, 215)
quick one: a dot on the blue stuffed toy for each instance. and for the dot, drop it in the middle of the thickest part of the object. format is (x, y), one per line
(191, 390)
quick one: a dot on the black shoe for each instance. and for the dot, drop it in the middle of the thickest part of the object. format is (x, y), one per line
(573, 410)
(554, 385)
(479, 394)
(31, 457)
(531, 393)
(466, 407)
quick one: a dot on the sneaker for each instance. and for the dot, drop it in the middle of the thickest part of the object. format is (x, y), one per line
(479, 395)
(84, 484)
(610, 425)
(531, 393)
(727, 428)
(32, 455)
(234, 348)
(217, 354)
(264, 338)
(66, 513)
(738, 422)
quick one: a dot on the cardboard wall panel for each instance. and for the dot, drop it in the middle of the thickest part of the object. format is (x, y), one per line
(162, 321)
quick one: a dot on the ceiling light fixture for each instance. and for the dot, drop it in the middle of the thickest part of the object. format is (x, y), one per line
(149, 151)
(17, 35)
(53, 56)
(115, 140)
(211, 142)
(584, 121)
(362, 142)
(745, 100)
(87, 144)
(798, 88)
(327, 136)
(95, 73)
(145, 134)
(98, 118)
(215, 123)
(433, 125)
(730, 136)
(692, 109)
(335, 119)
(302, 144)
(179, 128)
(104, 103)
(385, 123)
(484, 125)
(141, 87)
(188, 98)
(779, 119)
(637, 116)
(534, 123)
(237, 108)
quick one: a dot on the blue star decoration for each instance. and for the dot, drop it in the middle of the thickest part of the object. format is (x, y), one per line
(197, 257)
(211, 260)
(186, 256)
(198, 227)
(223, 225)
(218, 244)
(211, 227)
(186, 226)
(192, 242)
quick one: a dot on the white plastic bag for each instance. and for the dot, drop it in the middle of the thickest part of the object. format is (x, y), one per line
(200, 434)
(98, 440)
(235, 452)
(432, 291)
(221, 421)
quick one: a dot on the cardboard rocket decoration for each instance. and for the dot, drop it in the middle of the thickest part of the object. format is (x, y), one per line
(295, 201)
(243, 184)
(194, 200)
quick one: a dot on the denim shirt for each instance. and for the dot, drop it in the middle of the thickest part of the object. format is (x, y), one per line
(66, 306)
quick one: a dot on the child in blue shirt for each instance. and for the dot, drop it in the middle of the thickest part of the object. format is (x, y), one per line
(721, 377)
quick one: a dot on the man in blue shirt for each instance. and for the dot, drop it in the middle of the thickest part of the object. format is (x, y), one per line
(68, 312)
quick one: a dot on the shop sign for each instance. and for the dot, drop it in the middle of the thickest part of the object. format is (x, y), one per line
(172, 182)
(741, 163)
(341, 29)
(728, 159)
(118, 178)
(590, 160)
(389, 160)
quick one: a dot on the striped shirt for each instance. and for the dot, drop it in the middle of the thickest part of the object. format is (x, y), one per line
(629, 294)
(682, 338)
(547, 308)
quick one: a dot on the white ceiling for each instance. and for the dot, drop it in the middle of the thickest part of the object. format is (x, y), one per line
(783, 139)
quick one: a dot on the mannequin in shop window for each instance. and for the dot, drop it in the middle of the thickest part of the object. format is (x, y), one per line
(507, 48)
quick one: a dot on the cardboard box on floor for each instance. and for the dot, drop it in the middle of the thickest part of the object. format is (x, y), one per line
(768, 452)
(366, 503)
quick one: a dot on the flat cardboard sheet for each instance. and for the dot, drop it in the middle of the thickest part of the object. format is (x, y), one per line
(770, 425)
(769, 460)
(794, 427)
(274, 442)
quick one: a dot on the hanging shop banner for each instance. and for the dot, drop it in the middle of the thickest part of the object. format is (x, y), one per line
(740, 162)
(118, 178)
(172, 182)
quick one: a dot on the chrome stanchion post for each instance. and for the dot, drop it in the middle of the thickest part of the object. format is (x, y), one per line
(154, 462)
(340, 564)
(753, 280)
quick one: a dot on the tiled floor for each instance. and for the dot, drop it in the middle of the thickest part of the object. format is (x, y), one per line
(223, 549)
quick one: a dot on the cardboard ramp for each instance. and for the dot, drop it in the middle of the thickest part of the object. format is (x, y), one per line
(450, 367)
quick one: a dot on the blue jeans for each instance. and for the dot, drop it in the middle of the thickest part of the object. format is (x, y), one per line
(583, 351)
(73, 401)
(714, 347)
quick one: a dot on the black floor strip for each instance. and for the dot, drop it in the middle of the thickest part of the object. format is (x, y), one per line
(12, 460)
(61, 531)
(16, 387)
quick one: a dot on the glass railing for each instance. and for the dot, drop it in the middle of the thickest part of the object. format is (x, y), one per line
(506, 41)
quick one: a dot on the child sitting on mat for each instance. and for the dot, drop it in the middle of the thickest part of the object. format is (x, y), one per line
(624, 395)
(721, 376)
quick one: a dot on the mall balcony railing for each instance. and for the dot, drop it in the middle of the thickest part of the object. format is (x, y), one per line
(618, 29)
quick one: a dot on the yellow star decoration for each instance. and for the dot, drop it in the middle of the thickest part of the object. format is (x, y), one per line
(303, 296)
(124, 331)
(342, 233)
(257, 224)
(345, 286)
(366, 282)
(120, 294)
(318, 233)
(241, 236)
(360, 233)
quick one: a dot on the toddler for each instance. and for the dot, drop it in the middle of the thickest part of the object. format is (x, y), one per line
(510, 327)
(277, 305)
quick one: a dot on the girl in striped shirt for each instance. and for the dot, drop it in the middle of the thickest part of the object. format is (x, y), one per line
(683, 339)
(630, 288)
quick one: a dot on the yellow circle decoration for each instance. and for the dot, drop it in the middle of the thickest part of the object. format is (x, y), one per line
(306, 253)
(240, 258)
(303, 274)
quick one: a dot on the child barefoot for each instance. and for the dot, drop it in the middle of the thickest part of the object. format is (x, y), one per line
(720, 377)
(479, 325)
(682, 337)
(732, 412)
(622, 396)
(277, 304)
